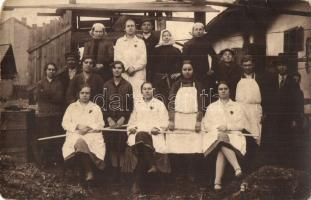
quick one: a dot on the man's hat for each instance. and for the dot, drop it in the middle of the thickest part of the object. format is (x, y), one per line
(285, 59)
(147, 19)
(72, 55)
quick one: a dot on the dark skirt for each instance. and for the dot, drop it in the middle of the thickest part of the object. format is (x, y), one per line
(144, 140)
(82, 147)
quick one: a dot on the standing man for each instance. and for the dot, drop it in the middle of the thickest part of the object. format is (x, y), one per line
(71, 69)
(101, 49)
(86, 77)
(50, 109)
(248, 95)
(150, 41)
(118, 95)
(280, 113)
(131, 51)
(198, 50)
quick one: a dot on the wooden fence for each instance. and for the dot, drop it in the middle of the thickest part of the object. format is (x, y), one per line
(49, 43)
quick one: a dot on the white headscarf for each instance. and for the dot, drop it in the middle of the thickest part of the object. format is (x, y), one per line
(97, 25)
(161, 42)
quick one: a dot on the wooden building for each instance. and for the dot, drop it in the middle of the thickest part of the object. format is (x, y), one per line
(17, 33)
(50, 42)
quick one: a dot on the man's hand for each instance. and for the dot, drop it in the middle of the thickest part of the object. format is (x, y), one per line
(210, 72)
(132, 131)
(111, 122)
(197, 127)
(155, 131)
(293, 124)
(131, 71)
(99, 66)
(120, 122)
(175, 76)
(171, 126)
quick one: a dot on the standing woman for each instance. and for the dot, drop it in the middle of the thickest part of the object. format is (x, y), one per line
(101, 49)
(83, 121)
(165, 64)
(185, 113)
(224, 121)
(50, 109)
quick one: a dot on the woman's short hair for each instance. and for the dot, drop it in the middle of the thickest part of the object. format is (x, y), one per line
(50, 63)
(88, 57)
(144, 83)
(223, 82)
(129, 19)
(113, 64)
(84, 86)
(186, 62)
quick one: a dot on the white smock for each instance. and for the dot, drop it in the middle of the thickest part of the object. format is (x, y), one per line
(147, 115)
(229, 115)
(88, 115)
(181, 140)
(249, 97)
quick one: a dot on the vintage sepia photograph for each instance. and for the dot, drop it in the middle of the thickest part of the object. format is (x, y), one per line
(155, 100)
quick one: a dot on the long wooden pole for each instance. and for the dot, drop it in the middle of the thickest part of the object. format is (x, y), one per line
(176, 131)
(64, 135)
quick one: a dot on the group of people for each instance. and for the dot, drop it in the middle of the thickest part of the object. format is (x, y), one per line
(143, 98)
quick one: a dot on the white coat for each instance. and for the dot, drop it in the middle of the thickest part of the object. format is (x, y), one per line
(89, 115)
(132, 53)
(229, 115)
(147, 115)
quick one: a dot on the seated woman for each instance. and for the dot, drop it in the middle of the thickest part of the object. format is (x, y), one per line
(165, 66)
(145, 129)
(83, 121)
(224, 121)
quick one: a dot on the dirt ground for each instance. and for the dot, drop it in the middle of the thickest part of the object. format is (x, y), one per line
(27, 181)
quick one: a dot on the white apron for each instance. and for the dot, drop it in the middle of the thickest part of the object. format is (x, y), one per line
(249, 97)
(186, 108)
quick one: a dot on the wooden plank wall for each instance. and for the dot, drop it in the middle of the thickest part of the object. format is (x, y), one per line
(49, 43)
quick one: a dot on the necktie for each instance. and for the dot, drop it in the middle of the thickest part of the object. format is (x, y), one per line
(282, 81)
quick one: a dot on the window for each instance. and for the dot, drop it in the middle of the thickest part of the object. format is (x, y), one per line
(293, 40)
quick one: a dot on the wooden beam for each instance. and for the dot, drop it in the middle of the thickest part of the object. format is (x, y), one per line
(48, 14)
(180, 19)
(88, 24)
